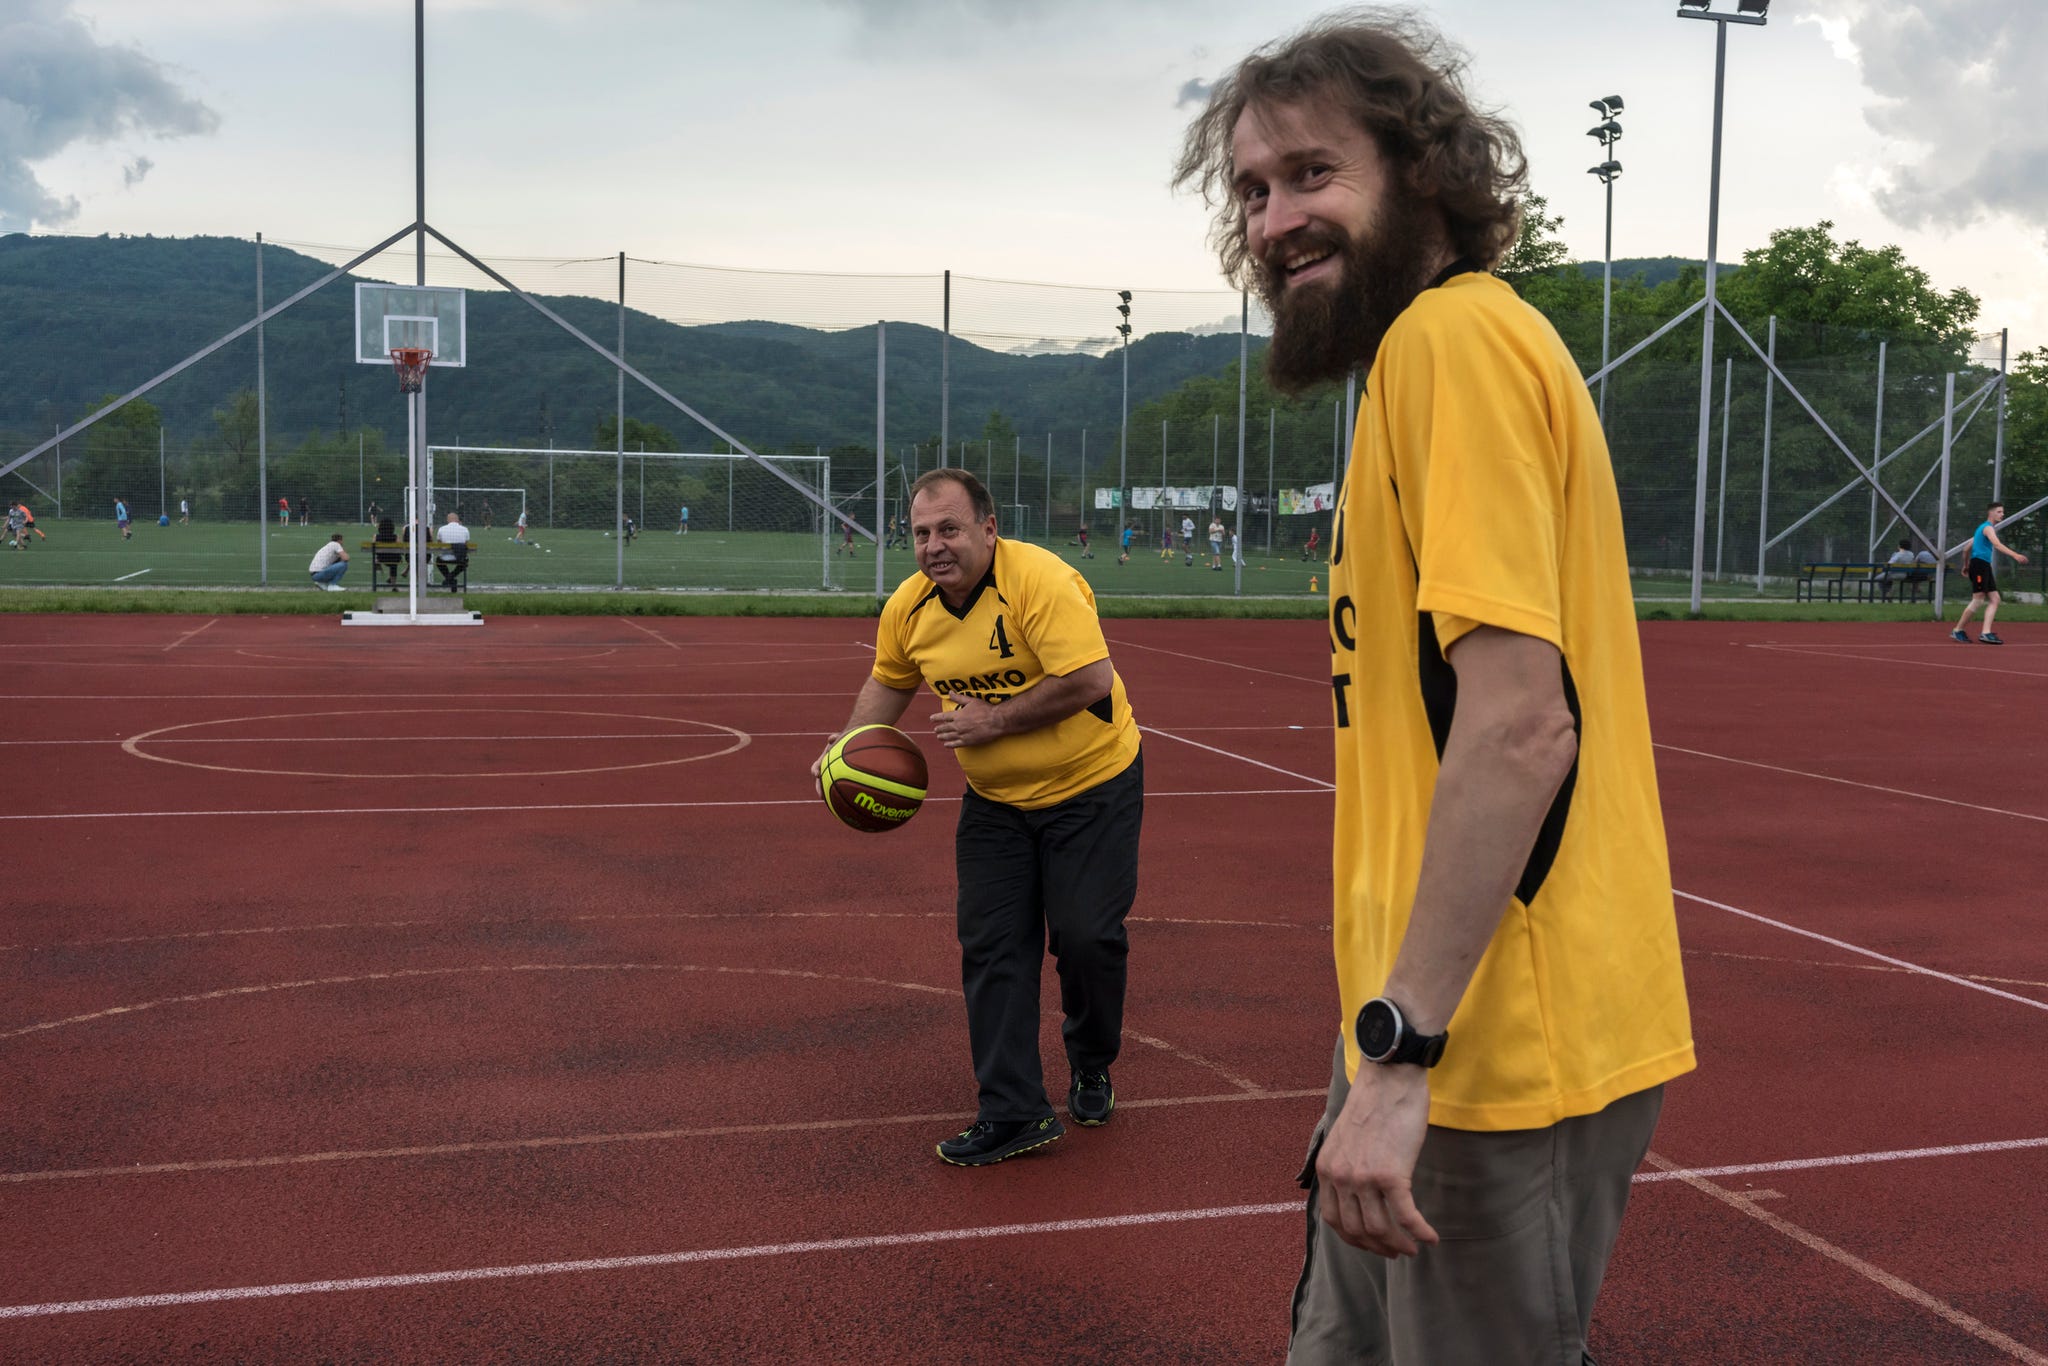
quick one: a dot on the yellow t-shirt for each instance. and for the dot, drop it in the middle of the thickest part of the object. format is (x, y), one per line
(1480, 493)
(1031, 615)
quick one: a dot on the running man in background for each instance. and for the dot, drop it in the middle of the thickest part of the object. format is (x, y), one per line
(1046, 849)
(29, 517)
(121, 517)
(519, 528)
(1506, 942)
(17, 532)
(1983, 581)
(1130, 530)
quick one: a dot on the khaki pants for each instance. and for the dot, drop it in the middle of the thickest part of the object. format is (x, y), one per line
(1527, 1218)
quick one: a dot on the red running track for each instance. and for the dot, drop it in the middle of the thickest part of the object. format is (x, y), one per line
(594, 1039)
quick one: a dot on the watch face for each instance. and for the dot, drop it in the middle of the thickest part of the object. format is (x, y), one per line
(1379, 1029)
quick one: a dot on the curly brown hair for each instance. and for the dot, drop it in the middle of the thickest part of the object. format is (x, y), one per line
(1400, 80)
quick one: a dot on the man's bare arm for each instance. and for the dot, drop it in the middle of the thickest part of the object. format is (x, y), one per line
(1048, 702)
(1510, 746)
(1511, 743)
(1991, 534)
(877, 704)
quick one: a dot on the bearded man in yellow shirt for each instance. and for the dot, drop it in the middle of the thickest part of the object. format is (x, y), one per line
(1506, 944)
(1006, 635)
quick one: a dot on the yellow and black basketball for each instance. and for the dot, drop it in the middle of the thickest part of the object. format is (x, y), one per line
(873, 778)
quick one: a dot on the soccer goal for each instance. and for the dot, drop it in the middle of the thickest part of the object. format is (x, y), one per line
(1014, 520)
(478, 506)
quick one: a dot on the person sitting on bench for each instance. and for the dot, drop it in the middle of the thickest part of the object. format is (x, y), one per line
(1898, 569)
(392, 560)
(452, 561)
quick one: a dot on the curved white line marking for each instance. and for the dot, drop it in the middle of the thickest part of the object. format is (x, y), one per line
(1851, 782)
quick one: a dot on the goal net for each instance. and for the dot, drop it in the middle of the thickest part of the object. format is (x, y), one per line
(661, 519)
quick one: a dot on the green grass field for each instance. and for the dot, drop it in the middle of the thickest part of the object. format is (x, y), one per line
(92, 554)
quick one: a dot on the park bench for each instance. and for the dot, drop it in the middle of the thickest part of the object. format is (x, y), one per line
(1861, 581)
(396, 557)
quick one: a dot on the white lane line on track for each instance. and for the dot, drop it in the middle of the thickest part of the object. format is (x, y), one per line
(1242, 758)
(188, 635)
(136, 575)
(506, 1145)
(584, 695)
(1851, 782)
(1322, 682)
(331, 811)
(1904, 1289)
(1844, 967)
(1808, 1164)
(648, 735)
(1894, 659)
(1867, 953)
(660, 1259)
(652, 632)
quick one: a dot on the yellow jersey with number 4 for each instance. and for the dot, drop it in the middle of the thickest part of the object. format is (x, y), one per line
(1030, 616)
(1480, 493)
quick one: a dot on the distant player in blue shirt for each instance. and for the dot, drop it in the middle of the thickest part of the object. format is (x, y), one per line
(1983, 583)
(1130, 530)
(683, 522)
(121, 517)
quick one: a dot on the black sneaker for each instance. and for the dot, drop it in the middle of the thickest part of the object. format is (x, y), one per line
(1090, 1099)
(1961, 635)
(1989, 638)
(990, 1141)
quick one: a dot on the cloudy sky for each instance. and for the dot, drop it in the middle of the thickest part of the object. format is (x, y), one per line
(1018, 139)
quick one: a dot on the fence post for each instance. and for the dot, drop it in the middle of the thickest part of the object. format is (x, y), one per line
(1244, 342)
(881, 440)
(262, 437)
(1948, 436)
(1877, 446)
(1998, 441)
(1763, 516)
(1721, 512)
(619, 444)
(946, 372)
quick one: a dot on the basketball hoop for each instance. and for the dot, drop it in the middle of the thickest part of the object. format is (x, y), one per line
(411, 364)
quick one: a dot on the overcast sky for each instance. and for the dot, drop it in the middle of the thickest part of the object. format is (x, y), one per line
(1019, 139)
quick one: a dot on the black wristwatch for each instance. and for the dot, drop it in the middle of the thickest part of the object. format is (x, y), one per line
(1386, 1037)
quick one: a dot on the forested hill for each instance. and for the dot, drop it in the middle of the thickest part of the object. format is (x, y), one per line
(1655, 270)
(83, 318)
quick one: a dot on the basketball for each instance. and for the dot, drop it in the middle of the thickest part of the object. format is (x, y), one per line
(873, 778)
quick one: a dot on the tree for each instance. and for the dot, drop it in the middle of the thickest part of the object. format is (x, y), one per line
(640, 436)
(121, 456)
(1537, 249)
(1806, 276)
(2026, 430)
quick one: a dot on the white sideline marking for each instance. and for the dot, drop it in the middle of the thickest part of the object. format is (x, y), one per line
(494, 736)
(188, 635)
(1890, 659)
(1904, 1289)
(1829, 963)
(1851, 782)
(136, 575)
(1867, 953)
(1807, 1164)
(716, 1254)
(652, 632)
(1323, 682)
(1322, 791)
(503, 1145)
(1231, 754)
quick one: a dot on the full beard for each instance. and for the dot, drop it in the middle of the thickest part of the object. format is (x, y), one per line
(1322, 331)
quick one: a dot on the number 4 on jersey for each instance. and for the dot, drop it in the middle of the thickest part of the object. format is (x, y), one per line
(999, 640)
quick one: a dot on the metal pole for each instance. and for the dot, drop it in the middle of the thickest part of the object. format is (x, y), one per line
(1162, 468)
(60, 447)
(881, 444)
(1123, 450)
(1272, 426)
(1877, 448)
(419, 139)
(263, 437)
(1048, 487)
(619, 446)
(1215, 448)
(946, 371)
(1699, 501)
(417, 532)
(1948, 436)
(1244, 344)
(1721, 513)
(1998, 441)
(162, 501)
(1763, 515)
(1606, 294)
(1016, 469)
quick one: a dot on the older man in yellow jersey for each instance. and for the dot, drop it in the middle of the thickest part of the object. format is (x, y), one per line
(1007, 637)
(1506, 944)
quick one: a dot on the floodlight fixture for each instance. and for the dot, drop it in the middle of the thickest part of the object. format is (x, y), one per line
(1125, 295)
(1607, 132)
(1695, 4)
(1606, 170)
(1758, 7)
(1613, 103)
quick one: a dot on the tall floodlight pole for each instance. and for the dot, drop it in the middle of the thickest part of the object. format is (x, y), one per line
(946, 371)
(1244, 343)
(1606, 134)
(1123, 441)
(1747, 12)
(263, 434)
(1998, 416)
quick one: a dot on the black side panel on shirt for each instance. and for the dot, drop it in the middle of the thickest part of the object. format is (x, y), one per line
(1439, 685)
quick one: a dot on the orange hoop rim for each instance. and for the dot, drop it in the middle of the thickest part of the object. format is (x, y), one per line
(411, 364)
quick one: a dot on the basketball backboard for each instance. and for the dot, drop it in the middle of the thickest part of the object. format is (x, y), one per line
(393, 316)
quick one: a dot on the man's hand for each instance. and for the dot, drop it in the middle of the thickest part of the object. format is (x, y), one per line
(818, 764)
(1367, 1163)
(973, 722)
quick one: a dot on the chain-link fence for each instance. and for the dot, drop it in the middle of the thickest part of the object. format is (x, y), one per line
(851, 385)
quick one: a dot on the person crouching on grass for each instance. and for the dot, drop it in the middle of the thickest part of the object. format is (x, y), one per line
(1046, 850)
(1506, 942)
(330, 562)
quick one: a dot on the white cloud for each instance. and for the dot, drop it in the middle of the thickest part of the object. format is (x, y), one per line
(59, 86)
